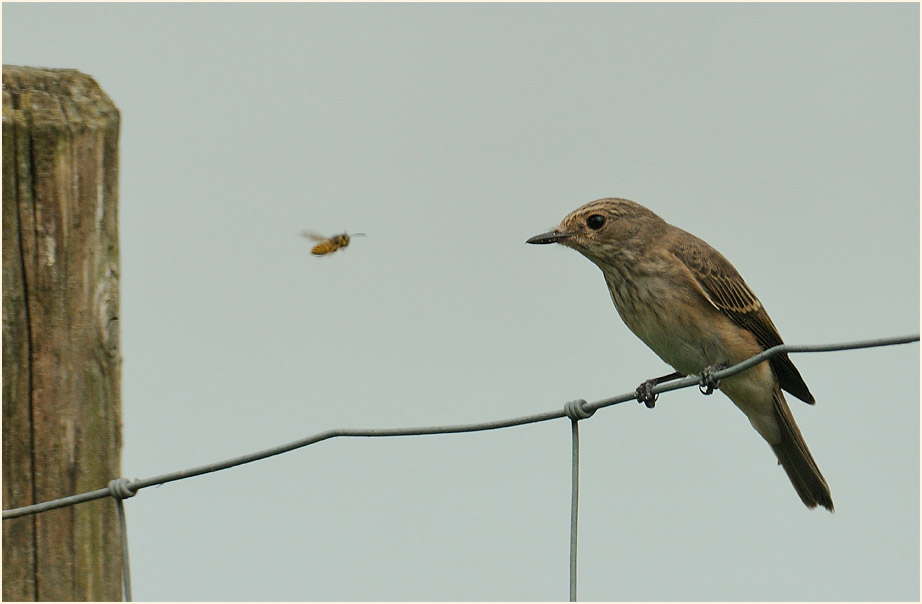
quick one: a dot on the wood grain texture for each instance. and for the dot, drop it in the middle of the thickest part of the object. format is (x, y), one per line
(61, 363)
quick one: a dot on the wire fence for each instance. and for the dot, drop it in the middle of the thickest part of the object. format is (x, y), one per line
(123, 488)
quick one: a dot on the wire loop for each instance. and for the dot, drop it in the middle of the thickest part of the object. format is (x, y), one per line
(120, 488)
(576, 410)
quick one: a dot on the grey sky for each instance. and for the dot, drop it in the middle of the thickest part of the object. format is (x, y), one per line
(787, 136)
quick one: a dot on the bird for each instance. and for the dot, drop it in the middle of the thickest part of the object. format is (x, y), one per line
(689, 304)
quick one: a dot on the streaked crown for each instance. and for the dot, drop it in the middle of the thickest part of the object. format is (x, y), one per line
(606, 228)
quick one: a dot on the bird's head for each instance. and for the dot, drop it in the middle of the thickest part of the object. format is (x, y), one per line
(605, 228)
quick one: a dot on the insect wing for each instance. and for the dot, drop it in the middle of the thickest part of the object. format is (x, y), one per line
(313, 236)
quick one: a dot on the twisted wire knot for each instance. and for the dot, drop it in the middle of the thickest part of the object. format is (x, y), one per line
(120, 489)
(576, 411)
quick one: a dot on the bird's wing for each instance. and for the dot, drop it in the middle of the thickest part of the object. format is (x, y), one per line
(725, 289)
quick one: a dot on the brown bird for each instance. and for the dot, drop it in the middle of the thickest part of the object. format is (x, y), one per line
(693, 309)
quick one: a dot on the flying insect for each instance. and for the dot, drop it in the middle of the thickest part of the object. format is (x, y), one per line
(328, 245)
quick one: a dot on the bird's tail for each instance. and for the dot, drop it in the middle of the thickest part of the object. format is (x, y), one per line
(795, 458)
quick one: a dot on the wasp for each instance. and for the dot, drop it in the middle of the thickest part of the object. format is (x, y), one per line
(328, 245)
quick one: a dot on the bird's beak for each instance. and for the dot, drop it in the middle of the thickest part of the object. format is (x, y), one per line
(554, 236)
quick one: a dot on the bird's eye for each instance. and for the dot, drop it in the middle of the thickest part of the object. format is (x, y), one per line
(595, 222)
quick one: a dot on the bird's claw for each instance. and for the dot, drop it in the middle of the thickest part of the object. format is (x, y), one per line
(706, 382)
(644, 394)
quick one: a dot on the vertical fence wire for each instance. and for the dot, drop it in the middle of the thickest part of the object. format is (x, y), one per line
(575, 410)
(126, 567)
(574, 505)
(120, 489)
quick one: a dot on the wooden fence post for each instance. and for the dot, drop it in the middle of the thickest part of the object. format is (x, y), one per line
(61, 359)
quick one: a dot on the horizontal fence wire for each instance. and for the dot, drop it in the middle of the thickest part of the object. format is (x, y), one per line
(130, 487)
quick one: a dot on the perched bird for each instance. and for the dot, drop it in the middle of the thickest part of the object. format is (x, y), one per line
(693, 309)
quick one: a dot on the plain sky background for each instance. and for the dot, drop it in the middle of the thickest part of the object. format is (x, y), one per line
(787, 136)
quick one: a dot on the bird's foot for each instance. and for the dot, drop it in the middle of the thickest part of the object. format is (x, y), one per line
(706, 382)
(644, 394)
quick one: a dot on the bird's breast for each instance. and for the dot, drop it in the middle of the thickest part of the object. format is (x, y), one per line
(674, 321)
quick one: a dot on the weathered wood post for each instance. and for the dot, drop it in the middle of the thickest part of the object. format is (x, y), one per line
(61, 362)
